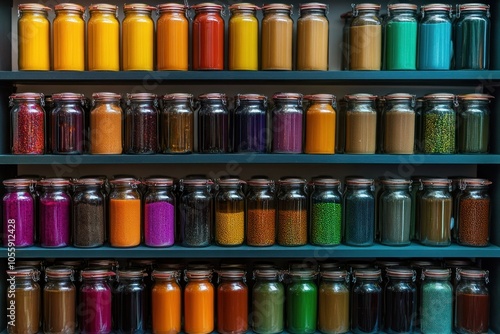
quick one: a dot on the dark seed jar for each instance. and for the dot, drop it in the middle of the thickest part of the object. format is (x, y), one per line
(292, 212)
(359, 212)
(177, 123)
(59, 300)
(333, 299)
(439, 124)
(394, 212)
(141, 124)
(129, 302)
(472, 306)
(250, 123)
(27, 123)
(474, 123)
(325, 212)
(366, 301)
(26, 296)
(287, 123)
(400, 300)
(261, 212)
(213, 124)
(268, 302)
(67, 124)
(435, 205)
(229, 213)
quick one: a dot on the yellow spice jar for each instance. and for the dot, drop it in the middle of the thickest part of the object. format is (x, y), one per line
(33, 37)
(103, 37)
(138, 31)
(243, 37)
(69, 38)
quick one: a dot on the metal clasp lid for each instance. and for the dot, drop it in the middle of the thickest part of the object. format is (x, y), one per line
(472, 7)
(437, 7)
(364, 6)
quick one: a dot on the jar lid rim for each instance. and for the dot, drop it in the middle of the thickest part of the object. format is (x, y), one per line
(229, 181)
(458, 262)
(67, 96)
(363, 6)
(473, 273)
(399, 96)
(90, 181)
(250, 97)
(313, 5)
(367, 272)
(400, 272)
(106, 96)
(27, 96)
(69, 6)
(231, 273)
(54, 182)
(291, 180)
(436, 272)
(326, 181)
(160, 181)
(361, 97)
(207, 5)
(474, 6)
(177, 96)
(244, 6)
(26, 271)
(197, 182)
(361, 181)
(131, 273)
(103, 7)
(164, 273)
(401, 182)
(287, 96)
(58, 271)
(125, 180)
(276, 6)
(95, 273)
(398, 6)
(141, 96)
(476, 182)
(260, 182)
(198, 272)
(334, 273)
(320, 97)
(212, 96)
(138, 7)
(476, 96)
(436, 6)
(18, 182)
(171, 6)
(436, 182)
(33, 6)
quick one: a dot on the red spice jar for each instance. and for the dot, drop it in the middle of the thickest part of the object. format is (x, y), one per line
(27, 123)
(472, 306)
(208, 37)
(232, 302)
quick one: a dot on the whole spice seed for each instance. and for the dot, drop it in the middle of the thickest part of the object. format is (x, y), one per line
(261, 228)
(439, 133)
(474, 222)
(326, 222)
(159, 224)
(88, 224)
(229, 228)
(195, 220)
(437, 307)
(106, 129)
(292, 227)
(28, 130)
(141, 132)
(359, 221)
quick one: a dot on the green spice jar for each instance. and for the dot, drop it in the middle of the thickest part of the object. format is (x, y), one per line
(292, 212)
(301, 302)
(439, 124)
(435, 207)
(268, 302)
(394, 212)
(436, 313)
(474, 123)
(326, 212)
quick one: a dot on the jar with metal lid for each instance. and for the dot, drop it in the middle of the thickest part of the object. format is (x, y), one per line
(260, 212)
(301, 302)
(106, 124)
(27, 123)
(287, 124)
(213, 123)
(437, 301)
(208, 37)
(454, 265)
(232, 302)
(24, 293)
(435, 206)
(125, 213)
(18, 213)
(474, 123)
(141, 124)
(347, 17)
(394, 211)
(472, 307)
(94, 306)
(243, 37)
(401, 37)
(277, 31)
(365, 38)
(67, 124)
(439, 124)
(172, 38)
(326, 212)
(472, 36)
(33, 28)
(268, 302)
(138, 29)
(312, 37)
(103, 43)
(359, 212)
(199, 298)
(320, 124)
(250, 123)
(435, 37)
(333, 302)
(59, 300)
(366, 301)
(400, 300)
(89, 213)
(166, 301)
(69, 37)
(292, 212)
(229, 213)
(398, 124)
(196, 212)
(474, 213)
(129, 302)
(361, 124)
(177, 123)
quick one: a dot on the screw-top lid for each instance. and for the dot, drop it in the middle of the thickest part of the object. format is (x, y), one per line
(69, 6)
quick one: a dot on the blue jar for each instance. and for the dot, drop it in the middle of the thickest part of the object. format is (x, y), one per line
(250, 123)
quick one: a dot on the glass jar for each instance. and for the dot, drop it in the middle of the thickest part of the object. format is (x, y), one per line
(106, 124)
(361, 124)
(199, 298)
(18, 213)
(172, 38)
(268, 302)
(129, 302)
(250, 123)
(312, 37)
(103, 42)
(232, 302)
(400, 300)
(229, 213)
(89, 213)
(24, 295)
(59, 301)
(472, 307)
(474, 123)
(141, 124)
(213, 124)
(395, 212)
(454, 264)
(69, 37)
(159, 212)
(435, 205)
(287, 123)
(138, 29)
(326, 212)
(366, 301)
(177, 123)
(365, 38)
(292, 212)
(320, 124)
(333, 303)
(359, 212)
(347, 17)
(435, 37)
(398, 123)
(439, 124)
(94, 306)
(260, 213)
(474, 213)
(243, 37)
(166, 301)
(208, 37)
(401, 37)
(196, 212)
(472, 36)
(125, 213)
(437, 301)
(27, 123)
(67, 124)
(33, 28)
(54, 207)
(301, 302)
(277, 30)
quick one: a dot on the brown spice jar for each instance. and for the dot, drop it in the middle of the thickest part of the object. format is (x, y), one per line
(277, 31)
(435, 218)
(106, 124)
(261, 228)
(361, 132)
(399, 132)
(292, 227)
(474, 221)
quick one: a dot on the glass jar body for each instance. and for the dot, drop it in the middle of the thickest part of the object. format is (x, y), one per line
(196, 216)
(89, 216)
(365, 41)
(26, 297)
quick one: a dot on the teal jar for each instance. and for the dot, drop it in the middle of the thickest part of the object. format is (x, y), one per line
(268, 302)
(474, 123)
(401, 37)
(436, 313)
(301, 302)
(439, 124)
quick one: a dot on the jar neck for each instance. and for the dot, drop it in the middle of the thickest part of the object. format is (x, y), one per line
(106, 102)
(403, 12)
(34, 13)
(145, 13)
(313, 11)
(361, 104)
(183, 103)
(69, 12)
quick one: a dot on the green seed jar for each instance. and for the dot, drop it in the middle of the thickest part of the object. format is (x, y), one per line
(474, 123)
(326, 212)
(439, 124)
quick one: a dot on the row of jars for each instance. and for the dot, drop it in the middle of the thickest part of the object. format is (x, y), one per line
(434, 40)
(135, 302)
(364, 124)
(200, 214)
